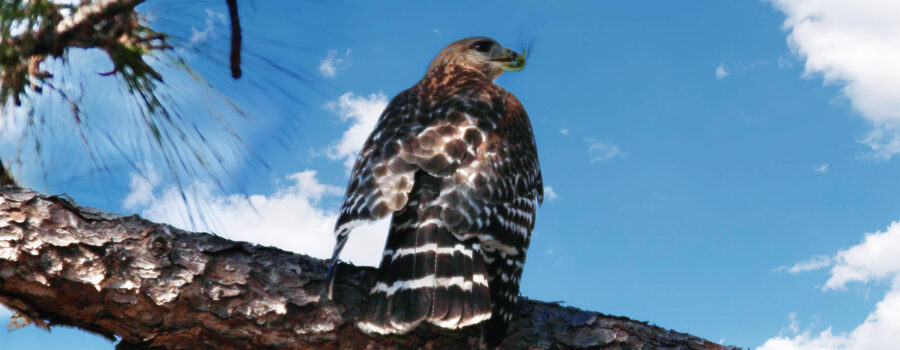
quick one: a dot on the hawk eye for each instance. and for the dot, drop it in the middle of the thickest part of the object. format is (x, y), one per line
(482, 46)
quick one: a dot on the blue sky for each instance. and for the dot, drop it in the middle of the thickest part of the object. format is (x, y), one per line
(720, 168)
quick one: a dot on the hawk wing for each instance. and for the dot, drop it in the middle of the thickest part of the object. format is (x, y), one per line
(381, 180)
(494, 191)
(485, 151)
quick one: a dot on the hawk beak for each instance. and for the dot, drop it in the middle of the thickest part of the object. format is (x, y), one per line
(513, 61)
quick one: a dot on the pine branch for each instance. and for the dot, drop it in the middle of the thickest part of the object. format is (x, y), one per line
(158, 132)
(154, 285)
(109, 25)
(235, 56)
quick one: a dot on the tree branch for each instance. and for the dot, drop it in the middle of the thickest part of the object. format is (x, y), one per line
(109, 25)
(154, 285)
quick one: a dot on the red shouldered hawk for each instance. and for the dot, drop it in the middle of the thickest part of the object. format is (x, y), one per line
(454, 160)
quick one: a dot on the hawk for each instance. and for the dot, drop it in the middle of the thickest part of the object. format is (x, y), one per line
(453, 159)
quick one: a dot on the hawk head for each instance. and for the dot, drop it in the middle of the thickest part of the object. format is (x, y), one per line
(479, 53)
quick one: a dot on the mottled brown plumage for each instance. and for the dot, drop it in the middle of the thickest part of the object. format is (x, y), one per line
(454, 160)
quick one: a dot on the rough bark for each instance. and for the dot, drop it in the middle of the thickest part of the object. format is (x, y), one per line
(154, 285)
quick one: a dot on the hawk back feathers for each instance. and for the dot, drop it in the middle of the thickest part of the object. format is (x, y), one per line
(454, 161)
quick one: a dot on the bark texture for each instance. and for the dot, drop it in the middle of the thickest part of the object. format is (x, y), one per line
(154, 285)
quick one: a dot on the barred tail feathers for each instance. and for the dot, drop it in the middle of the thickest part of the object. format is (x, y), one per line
(427, 275)
(504, 290)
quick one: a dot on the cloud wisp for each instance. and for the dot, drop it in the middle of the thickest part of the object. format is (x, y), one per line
(817, 262)
(550, 194)
(600, 151)
(213, 19)
(721, 73)
(334, 62)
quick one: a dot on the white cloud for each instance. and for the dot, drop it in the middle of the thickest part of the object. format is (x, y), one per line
(874, 259)
(855, 44)
(564, 131)
(292, 218)
(141, 187)
(4, 313)
(794, 326)
(333, 62)
(550, 194)
(364, 112)
(213, 18)
(785, 62)
(600, 151)
(879, 331)
(806, 341)
(740, 67)
(821, 169)
(817, 262)
(721, 73)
